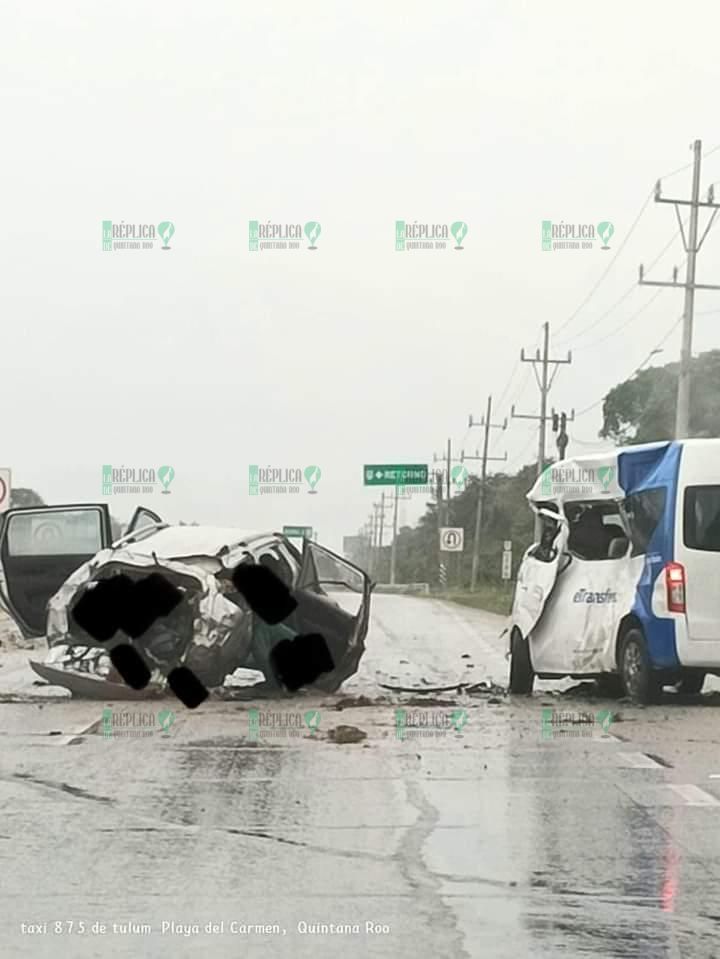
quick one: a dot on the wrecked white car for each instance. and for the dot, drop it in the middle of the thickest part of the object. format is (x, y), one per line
(51, 556)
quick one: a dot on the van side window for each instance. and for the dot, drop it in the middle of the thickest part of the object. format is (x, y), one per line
(544, 550)
(701, 518)
(596, 531)
(644, 511)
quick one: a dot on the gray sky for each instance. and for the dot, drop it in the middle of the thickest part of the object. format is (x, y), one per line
(209, 357)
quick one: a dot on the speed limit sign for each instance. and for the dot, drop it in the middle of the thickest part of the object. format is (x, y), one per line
(451, 539)
(5, 488)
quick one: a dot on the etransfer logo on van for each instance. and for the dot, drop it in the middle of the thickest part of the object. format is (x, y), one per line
(587, 596)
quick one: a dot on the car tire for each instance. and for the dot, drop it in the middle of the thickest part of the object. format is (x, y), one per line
(610, 685)
(640, 683)
(522, 675)
(691, 683)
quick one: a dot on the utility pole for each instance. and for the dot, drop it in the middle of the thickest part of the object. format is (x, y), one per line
(545, 387)
(444, 513)
(379, 528)
(444, 508)
(371, 557)
(393, 548)
(447, 483)
(486, 422)
(382, 522)
(393, 545)
(692, 247)
(394, 538)
(367, 533)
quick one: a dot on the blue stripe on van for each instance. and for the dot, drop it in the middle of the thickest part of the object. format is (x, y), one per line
(644, 470)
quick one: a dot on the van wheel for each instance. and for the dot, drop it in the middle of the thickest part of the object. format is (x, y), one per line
(691, 682)
(640, 683)
(522, 675)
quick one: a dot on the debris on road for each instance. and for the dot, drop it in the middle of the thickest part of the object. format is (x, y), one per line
(485, 688)
(346, 734)
(457, 687)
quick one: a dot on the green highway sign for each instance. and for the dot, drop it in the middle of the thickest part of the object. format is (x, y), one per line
(302, 532)
(403, 474)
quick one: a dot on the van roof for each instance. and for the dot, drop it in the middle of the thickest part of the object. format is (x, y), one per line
(595, 476)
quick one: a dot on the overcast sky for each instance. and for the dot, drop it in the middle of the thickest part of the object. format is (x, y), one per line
(209, 357)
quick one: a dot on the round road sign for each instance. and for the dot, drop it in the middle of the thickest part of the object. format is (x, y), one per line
(451, 539)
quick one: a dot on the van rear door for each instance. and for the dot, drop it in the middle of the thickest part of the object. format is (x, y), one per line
(536, 579)
(699, 553)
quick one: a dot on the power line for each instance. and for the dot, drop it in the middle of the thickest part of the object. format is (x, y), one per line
(656, 347)
(625, 295)
(623, 325)
(531, 439)
(692, 246)
(609, 266)
(622, 245)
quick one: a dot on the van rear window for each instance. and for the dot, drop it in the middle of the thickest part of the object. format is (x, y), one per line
(701, 518)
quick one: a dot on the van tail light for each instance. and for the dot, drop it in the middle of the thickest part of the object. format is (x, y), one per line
(675, 586)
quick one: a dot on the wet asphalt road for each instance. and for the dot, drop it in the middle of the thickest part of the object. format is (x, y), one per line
(492, 841)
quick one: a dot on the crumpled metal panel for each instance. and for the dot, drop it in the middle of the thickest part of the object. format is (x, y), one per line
(218, 622)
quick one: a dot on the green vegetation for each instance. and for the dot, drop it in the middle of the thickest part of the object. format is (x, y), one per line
(492, 597)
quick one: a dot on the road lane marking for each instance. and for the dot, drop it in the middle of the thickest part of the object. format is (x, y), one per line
(609, 737)
(84, 731)
(694, 795)
(639, 761)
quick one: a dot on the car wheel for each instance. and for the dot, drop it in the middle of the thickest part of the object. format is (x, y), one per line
(691, 683)
(640, 683)
(610, 685)
(522, 675)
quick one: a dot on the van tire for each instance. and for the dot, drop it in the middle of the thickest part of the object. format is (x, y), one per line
(691, 683)
(522, 675)
(640, 683)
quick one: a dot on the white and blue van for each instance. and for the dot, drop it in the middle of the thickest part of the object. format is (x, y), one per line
(624, 585)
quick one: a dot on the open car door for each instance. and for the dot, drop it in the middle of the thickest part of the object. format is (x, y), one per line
(537, 575)
(333, 599)
(141, 519)
(40, 546)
